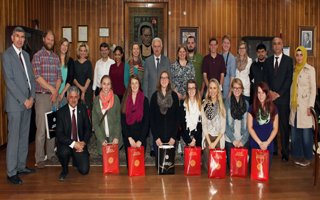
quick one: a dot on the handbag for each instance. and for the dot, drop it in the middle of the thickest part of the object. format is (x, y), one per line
(136, 165)
(239, 162)
(110, 158)
(217, 163)
(259, 164)
(192, 161)
(166, 159)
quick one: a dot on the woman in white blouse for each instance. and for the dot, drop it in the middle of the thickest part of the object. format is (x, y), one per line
(243, 63)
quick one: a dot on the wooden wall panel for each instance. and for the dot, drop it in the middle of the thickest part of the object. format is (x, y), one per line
(282, 18)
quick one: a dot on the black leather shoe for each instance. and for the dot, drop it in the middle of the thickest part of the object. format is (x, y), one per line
(14, 180)
(26, 171)
(285, 158)
(62, 176)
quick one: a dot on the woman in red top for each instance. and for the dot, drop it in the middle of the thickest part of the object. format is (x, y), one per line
(117, 72)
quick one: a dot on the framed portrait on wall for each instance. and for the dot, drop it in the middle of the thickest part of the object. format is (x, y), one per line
(307, 38)
(67, 33)
(143, 22)
(82, 33)
(185, 32)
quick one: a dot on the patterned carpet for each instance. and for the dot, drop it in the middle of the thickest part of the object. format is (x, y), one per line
(96, 159)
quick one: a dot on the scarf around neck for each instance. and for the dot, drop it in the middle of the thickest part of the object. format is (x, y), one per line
(237, 108)
(242, 63)
(263, 117)
(211, 109)
(164, 102)
(134, 111)
(133, 63)
(107, 101)
(297, 69)
(192, 115)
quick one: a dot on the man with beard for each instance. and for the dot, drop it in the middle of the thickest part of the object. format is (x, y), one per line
(146, 39)
(46, 67)
(256, 69)
(196, 59)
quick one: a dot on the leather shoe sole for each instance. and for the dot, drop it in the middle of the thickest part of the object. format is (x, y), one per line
(14, 180)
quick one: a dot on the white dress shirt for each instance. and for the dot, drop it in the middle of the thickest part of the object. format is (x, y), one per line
(18, 51)
(102, 68)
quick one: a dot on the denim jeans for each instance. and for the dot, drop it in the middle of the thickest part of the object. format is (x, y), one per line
(301, 141)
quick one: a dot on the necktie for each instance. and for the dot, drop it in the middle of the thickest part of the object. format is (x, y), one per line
(276, 66)
(74, 126)
(21, 61)
(158, 62)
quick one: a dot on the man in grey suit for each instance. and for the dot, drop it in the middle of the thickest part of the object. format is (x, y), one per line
(154, 65)
(20, 93)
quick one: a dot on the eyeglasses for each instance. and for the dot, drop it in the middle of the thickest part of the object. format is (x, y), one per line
(237, 88)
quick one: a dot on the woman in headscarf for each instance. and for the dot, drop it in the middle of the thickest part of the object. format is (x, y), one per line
(302, 99)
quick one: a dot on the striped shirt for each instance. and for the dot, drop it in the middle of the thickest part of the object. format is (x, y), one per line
(46, 65)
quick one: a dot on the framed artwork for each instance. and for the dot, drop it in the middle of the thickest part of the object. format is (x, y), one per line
(82, 33)
(286, 50)
(254, 41)
(185, 32)
(145, 21)
(307, 38)
(67, 33)
(103, 32)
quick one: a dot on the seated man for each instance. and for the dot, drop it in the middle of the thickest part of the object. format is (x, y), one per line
(73, 133)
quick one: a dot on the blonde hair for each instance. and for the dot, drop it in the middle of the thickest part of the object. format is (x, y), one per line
(82, 44)
(219, 97)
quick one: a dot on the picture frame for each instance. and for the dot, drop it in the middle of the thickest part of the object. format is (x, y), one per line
(286, 50)
(185, 32)
(139, 15)
(82, 33)
(103, 32)
(307, 37)
(67, 33)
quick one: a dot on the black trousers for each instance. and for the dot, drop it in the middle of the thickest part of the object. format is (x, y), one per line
(80, 159)
(284, 129)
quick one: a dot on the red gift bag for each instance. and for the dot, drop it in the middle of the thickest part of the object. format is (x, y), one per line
(260, 164)
(239, 162)
(110, 159)
(192, 161)
(217, 163)
(136, 161)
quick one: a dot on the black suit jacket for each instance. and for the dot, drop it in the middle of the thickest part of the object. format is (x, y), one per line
(63, 130)
(281, 81)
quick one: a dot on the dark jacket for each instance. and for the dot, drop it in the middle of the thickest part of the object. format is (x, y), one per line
(164, 126)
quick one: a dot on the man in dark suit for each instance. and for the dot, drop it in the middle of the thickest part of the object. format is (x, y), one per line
(154, 65)
(73, 133)
(20, 93)
(278, 73)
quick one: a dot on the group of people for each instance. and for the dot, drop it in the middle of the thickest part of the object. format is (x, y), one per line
(215, 101)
